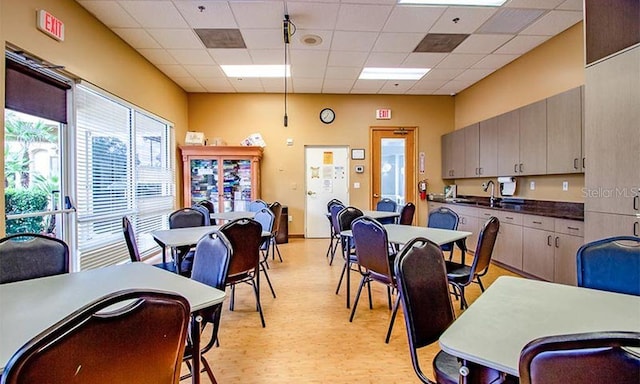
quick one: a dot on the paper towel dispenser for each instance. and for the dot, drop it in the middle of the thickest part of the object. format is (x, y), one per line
(507, 185)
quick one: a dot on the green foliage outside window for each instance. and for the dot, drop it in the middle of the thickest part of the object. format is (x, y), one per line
(24, 201)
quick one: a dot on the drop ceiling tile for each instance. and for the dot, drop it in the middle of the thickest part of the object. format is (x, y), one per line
(231, 56)
(246, 84)
(412, 19)
(110, 14)
(216, 84)
(494, 61)
(317, 16)
(347, 59)
(473, 75)
(389, 2)
(423, 59)
(304, 85)
(426, 84)
(174, 70)
(452, 87)
(216, 14)
(571, 5)
(397, 42)
(297, 40)
(368, 86)
(460, 60)
(309, 71)
(176, 38)
(510, 20)
(263, 38)
(540, 4)
(482, 43)
(553, 23)
(420, 92)
(155, 14)
(353, 41)
(379, 59)
(267, 56)
(521, 44)
(276, 85)
(192, 56)
(158, 56)
(189, 84)
(258, 14)
(442, 74)
(352, 17)
(397, 86)
(470, 18)
(308, 58)
(204, 71)
(342, 73)
(137, 37)
(338, 84)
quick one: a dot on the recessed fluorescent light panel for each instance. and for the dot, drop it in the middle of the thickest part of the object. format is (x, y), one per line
(393, 73)
(256, 70)
(480, 3)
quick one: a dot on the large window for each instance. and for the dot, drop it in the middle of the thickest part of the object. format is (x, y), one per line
(124, 168)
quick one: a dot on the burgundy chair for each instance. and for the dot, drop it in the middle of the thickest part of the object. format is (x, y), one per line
(344, 218)
(406, 214)
(140, 342)
(598, 357)
(132, 246)
(276, 208)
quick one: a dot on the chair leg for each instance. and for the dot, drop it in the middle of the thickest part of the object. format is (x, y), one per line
(266, 275)
(355, 302)
(344, 268)
(480, 284)
(233, 295)
(369, 292)
(207, 368)
(348, 272)
(277, 249)
(256, 291)
(394, 312)
(389, 296)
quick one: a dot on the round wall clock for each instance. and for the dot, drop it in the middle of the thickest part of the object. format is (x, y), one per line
(327, 115)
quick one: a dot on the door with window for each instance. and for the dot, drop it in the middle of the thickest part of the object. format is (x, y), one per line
(393, 164)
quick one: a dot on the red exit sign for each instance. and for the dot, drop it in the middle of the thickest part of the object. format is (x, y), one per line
(50, 25)
(383, 114)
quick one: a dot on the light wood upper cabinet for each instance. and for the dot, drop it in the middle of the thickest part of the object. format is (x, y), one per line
(533, 139)
(564, 132)
(472, 150)
(508, 143)
(453, 156)
(489, 147)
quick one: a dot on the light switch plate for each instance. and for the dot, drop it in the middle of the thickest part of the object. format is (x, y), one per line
(565, 185)
(532, 185)
(356, 185)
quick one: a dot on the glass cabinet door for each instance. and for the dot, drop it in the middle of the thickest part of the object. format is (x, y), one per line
(237, 184)
(204, 181)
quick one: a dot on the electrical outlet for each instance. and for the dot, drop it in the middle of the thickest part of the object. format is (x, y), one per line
(565, 185)
(532, 185)
(290, 218)
(356, 185)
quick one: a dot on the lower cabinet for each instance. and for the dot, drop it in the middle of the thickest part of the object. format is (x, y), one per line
(508, 248)
(538, 253)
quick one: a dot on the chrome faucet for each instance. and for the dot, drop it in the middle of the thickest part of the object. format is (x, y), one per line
(485, 186)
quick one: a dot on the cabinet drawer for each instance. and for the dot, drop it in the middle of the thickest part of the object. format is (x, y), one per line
(433, 206)
(569, 227)
(538, 222)
(485, 214)
(508, 217)
(463, 211)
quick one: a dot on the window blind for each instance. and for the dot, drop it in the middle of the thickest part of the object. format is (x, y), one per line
(124, 168)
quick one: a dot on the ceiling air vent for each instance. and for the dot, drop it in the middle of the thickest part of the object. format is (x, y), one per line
(440, 42)
(221, 38)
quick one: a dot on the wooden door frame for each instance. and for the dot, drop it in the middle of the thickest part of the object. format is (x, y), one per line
(410, 164)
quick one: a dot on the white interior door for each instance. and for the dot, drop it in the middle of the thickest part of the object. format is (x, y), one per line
(327, 177)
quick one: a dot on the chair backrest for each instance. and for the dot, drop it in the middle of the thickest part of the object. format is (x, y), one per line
(372, 247)
(30, 255)
(423, 287)
(186, 217)
(140, 342)
(245, 236)
(257, 205)
(130, 239)
(386, 205)
(333, 211)
(484, 250)
(205, 213)
(443, 218)
(611, 264)
(406, 214)
(267, 220)
(276, 208)
(581, 358)
(208, 204)
(333, 202)
(211, 261)
(346, 216)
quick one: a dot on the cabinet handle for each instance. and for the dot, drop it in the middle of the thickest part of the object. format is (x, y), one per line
(520, 167)
(508, 218)
(487, 214)
(583, 166)
(575, 163)
(636, 231)
(537, 222)
(549, 240)
(515, 168)
(573, 228)
(557, 240)
(636, 202)
(477, 171)
(481, 171)
(463, 220)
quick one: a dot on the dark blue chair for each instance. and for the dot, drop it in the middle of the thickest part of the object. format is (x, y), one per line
(335, 229)
(25, 256)
(611, 264)
(267, 219)
(387, 205)
(345, 217)
(444, 218)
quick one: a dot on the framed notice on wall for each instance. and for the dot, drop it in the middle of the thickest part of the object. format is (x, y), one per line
(357, 154)
(194, 138)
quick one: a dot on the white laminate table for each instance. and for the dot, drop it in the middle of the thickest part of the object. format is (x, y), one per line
(381, 214)
(29, 307)
(514, 311)
(402, 234)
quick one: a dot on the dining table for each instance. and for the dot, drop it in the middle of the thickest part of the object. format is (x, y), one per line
(232, 215)
(31, 306)
(514, 311)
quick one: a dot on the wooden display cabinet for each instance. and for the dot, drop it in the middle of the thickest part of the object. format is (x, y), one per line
(229, 176)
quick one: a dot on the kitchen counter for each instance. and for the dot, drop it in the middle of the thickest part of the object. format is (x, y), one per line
(557, 209)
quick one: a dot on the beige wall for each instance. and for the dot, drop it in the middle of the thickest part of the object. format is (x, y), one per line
(93, 53)
(233, 117)
(2, 81)
(553, 67)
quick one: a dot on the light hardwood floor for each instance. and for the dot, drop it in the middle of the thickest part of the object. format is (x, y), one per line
(308, 337)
